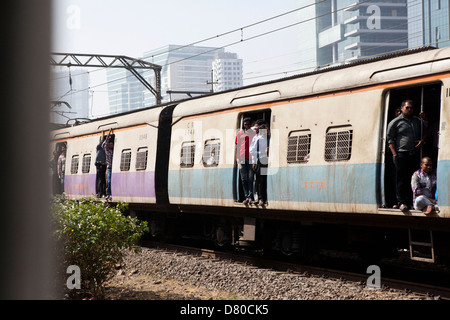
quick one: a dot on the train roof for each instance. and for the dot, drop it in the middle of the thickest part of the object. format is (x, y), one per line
(391, 67)
(142, 116)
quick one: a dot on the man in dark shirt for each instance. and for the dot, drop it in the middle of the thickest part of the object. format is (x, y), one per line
(100, 164)
(404, 139)
(108, 146)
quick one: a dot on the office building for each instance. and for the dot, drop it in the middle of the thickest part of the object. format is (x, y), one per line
(192, 71)
(346, 30)
(428, 23)
(125, 92)
(227, 71)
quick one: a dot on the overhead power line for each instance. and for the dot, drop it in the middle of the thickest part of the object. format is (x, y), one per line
(241, 29)
(236, 42)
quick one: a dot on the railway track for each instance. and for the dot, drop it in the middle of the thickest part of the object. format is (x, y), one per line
(417, 287)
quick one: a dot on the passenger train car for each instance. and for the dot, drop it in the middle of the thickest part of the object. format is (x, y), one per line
(330, 180)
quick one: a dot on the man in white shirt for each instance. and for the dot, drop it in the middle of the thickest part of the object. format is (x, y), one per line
(259, 149)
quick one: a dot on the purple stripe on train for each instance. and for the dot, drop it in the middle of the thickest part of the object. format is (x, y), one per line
(134, 184)
(79, 184)
(124, 184)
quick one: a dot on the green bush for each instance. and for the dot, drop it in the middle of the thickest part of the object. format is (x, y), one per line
(92, 235)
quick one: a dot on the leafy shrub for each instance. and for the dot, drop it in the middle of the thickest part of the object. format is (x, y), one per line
(92, 235)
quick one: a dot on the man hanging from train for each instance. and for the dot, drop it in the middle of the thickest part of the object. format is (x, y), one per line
(61, 168)
(100, 164)
(405, 141)
(108, 146)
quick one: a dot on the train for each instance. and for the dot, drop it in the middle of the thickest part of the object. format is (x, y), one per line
(329, 179)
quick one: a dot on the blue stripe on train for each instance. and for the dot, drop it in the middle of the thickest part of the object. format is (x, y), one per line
(337, 183)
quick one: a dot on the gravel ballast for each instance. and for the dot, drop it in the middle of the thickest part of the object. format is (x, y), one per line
(157, 274)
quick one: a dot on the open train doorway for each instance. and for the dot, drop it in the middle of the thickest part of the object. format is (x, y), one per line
(58, 166)
(426, 100)
(252, 117)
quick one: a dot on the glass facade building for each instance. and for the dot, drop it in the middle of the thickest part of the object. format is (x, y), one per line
(428, 23)
(347, 30)
(351, 29)
(125, 92)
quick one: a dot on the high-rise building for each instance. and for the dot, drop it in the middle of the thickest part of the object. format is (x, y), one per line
(189, 71)
(345, 30)
(227, 71)
(186, 71)
(428, 23)
(125, 92)
(69, 95)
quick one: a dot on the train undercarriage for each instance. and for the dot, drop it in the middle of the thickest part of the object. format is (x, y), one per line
(304, 238)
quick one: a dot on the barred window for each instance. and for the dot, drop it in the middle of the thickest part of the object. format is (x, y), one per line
(299, 146)
(86, 166)
(338, 143)
(74, 164)
(187, 154)
(125, 160)
(211, 153)
(141, 158)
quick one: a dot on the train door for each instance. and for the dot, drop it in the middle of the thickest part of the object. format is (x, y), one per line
(238, 190)
(426, 98)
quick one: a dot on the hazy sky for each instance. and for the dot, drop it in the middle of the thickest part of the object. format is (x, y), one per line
(133, 27)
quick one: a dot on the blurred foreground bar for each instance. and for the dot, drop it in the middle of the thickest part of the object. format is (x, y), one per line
(25, 249)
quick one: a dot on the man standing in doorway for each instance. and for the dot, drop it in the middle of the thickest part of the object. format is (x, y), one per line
(405, 141)
(243, 139)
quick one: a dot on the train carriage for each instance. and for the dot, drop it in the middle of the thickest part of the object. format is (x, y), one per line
(327, 149)
(134, 160)
(328, 162)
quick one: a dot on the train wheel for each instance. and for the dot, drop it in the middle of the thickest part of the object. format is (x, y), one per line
(221, 238)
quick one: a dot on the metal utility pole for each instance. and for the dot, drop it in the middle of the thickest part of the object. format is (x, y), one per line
(111, 61)
(212, 83)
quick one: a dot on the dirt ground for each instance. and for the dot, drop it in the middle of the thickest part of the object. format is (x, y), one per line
(146, 287)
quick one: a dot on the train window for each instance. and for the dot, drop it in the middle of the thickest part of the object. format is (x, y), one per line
(125, 160)
(74, 164)
(141, 158)
(187, 154)
(338, 143)
(211, 153)
(86, 165)
(299, 145)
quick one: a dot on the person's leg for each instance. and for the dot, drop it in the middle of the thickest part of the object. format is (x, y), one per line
(250, 178)
(404, 191)
(102, 180)
(263, 175)
(421, 203)
(108, 183)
